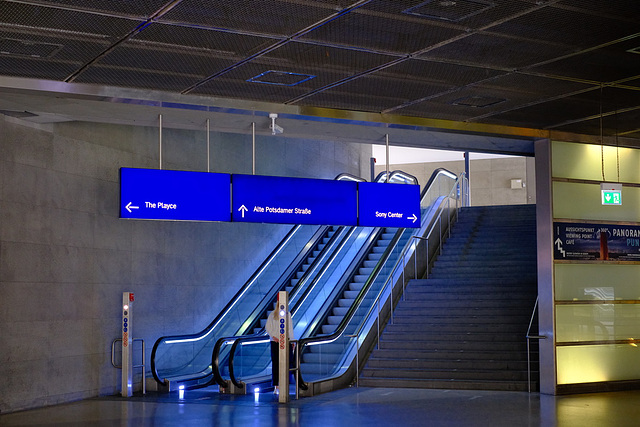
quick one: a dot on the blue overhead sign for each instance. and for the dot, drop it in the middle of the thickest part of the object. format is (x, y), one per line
(282, 200)
(174, 195)
(388, 205)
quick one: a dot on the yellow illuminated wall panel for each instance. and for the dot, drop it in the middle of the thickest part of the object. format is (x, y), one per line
(597, 303)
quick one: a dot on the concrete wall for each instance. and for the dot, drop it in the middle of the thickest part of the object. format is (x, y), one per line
(490, 178)
(66, 257)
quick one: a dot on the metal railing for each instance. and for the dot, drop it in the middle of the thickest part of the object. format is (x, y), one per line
(389, 285)
(529, 338)
(142, 365)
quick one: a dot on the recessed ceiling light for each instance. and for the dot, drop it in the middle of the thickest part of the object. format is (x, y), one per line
(281, 78)
(449, 10)
(478, 101)
(29, 48)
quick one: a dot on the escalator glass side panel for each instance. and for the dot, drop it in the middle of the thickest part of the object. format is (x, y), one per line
(182, 357)
(334, 239)
(250, 359)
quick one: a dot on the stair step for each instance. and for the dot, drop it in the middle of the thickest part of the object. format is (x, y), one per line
(448, 374)
(444, 384)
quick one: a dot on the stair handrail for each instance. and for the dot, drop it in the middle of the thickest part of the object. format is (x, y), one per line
(529, 338)
(456, 192)
(401, 258)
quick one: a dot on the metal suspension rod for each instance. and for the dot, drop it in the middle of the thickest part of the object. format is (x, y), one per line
(208, 149)
(160, 139)
(387, 143)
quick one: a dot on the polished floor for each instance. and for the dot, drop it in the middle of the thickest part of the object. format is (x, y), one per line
(350, 407)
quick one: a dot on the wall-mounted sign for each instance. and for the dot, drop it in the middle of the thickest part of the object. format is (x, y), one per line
(174, 195)
(388, 205)
(611, 194)
(583, 241)
(281, 200)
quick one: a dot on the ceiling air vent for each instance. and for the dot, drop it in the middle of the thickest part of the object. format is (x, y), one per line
(449, 10)
(478, 101)
(17, 47)
(281, 78)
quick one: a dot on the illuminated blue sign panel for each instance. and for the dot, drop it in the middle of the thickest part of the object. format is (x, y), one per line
(174, 195)
(388, 205)
(282, 200)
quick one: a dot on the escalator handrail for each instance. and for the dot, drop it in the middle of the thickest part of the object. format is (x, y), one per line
(347, 318)
(215, 356)
(223, 312)
(354, 306)
(381, 175)
(289, 273)
(257, 337)
(227, 308)
(352, 271)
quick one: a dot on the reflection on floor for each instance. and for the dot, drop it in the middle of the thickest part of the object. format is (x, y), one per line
(351, 407)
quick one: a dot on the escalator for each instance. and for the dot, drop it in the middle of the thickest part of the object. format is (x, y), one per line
(343, 292)
(185, 360)
(248, 356)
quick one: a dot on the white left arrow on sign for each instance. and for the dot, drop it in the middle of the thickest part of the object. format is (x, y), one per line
(129, 207)
(243, 209)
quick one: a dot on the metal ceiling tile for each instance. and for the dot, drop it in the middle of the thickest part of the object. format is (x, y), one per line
(543, 115)
(313, 56)
(382, 33)
(624, 124)
(375, 93)
(203, 41)
(557, 25)
(609, 64)
(491, 50)
(32, 19)
(628, 10)
(441, 73)
(163, 59)
(537, 86)
(467, 14)
(343, 98)
(403, 83)
(497, 100)
(439, 110)
(45, 56)
(274, 17)
(138, 8)
(611, 98)
(36, 68)
(137, 78)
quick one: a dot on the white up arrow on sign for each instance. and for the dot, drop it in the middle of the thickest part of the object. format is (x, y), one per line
(243, 209)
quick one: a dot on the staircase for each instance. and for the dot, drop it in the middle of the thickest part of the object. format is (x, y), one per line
(464, 327)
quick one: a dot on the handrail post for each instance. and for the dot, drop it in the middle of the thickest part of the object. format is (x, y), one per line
(141, 365)
(529, 338)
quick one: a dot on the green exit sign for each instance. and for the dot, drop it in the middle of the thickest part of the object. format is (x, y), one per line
(611, 194)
